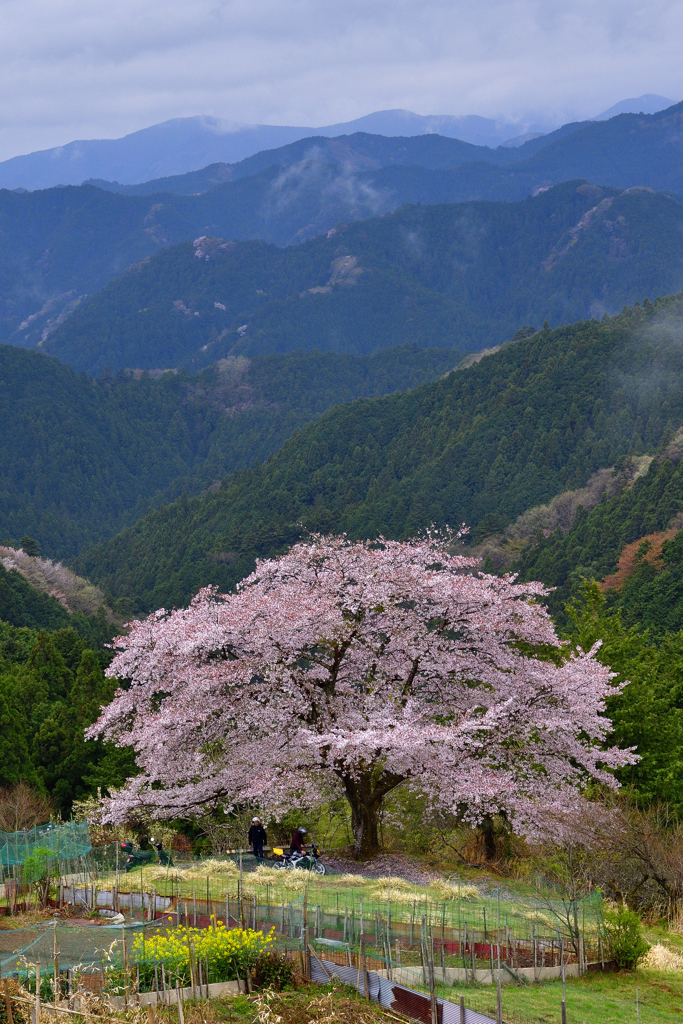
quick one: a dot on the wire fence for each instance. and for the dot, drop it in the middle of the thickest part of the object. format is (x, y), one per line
(71, 956)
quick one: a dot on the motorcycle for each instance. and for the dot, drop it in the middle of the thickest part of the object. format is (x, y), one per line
(139, 858)
(306, 862)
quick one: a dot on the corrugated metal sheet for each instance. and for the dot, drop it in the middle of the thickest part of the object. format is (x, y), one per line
(394, 996)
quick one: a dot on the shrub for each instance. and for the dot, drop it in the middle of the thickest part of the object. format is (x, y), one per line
(626, 942)
(273, 970)
(39, 870)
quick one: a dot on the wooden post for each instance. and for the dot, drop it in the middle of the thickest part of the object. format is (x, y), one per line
(125, 965)
(181, 1015)
(364, 964)
(462, 1010)
(8, 1002)
(423, 962)
(150, 1018)
(192, 966)
(464, 952)
(432, 992)
(55, 962)
(564, 988)
(37, 1021)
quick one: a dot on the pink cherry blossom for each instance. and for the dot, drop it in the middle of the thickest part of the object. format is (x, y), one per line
(353, 668)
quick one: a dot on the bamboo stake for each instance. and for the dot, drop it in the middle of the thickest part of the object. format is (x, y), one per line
(125, 966)
(564, 987)
(8, 1002)
(55, 960)
(499, 1007)
(181, 1015)
(432, 991)
(366, 976)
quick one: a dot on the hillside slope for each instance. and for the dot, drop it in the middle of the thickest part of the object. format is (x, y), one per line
(479, 446)
(82, 458)
(61, 244)
(632, 543)
(464, 276)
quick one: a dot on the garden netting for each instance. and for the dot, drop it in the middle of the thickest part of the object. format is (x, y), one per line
(66, 841)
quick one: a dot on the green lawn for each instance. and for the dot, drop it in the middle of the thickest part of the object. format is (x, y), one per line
(596, 999)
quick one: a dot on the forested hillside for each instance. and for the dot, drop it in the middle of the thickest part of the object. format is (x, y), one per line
(82, 458)
(631, 543)
(61, 244)
(464, 276)
(479, 446)
(51, 687)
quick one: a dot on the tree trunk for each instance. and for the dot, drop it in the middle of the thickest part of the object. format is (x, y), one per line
(365, 795)
(364, 828)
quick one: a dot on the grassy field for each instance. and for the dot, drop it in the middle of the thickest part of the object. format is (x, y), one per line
(445, 904)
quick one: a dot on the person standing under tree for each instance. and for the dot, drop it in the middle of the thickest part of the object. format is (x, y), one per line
(257, 837)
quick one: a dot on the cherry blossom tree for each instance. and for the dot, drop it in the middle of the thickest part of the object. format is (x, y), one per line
(355, 668)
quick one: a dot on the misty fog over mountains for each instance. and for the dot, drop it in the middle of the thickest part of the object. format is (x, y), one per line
(190, 143)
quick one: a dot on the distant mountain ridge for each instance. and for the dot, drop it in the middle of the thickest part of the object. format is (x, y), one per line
(59, 245)
(461, 276)
(649, 103)
(357, 153)
(188, 144)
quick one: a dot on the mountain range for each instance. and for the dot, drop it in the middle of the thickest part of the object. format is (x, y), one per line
(59, 245)
(463, 276)
(189, 143)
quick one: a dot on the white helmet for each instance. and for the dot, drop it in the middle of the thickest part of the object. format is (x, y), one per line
(255, 821)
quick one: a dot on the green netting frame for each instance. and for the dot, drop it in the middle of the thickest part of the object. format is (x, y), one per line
(67, 841)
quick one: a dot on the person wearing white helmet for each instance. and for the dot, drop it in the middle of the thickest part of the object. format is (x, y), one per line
(257, 837)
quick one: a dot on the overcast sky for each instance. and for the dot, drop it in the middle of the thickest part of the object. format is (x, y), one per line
(75, 69)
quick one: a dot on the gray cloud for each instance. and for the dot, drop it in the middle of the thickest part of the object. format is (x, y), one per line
(87, 69)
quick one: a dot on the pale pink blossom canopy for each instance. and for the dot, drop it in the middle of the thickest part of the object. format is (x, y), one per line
(341, 660)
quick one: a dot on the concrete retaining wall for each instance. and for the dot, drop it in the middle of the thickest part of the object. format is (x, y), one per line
(458, 975)
(219, 988)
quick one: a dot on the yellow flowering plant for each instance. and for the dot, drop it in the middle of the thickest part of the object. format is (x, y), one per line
(227, 954)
